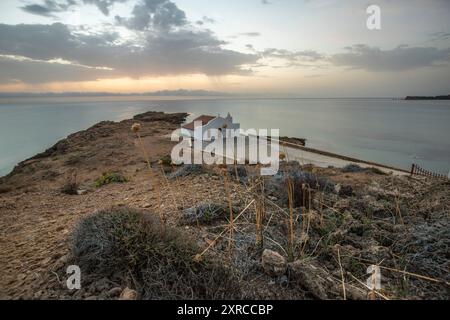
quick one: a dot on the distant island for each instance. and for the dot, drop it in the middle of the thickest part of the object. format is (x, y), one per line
(447, 97)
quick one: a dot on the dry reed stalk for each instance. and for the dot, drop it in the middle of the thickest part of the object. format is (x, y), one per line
(342, 275)
(291, 235)
(178, 184)
(212, 243)
(263, 197)
(136, 127)
(230, 208)
(307, 216)
(416, 275)
(259, 224)
(365, 286)
(161, 214)
(321, 200)
(303, 208)
(172, 193)
(397, 206)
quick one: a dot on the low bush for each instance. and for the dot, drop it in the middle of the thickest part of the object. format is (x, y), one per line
(205, 213)
(304, 184)
(159, 261)
(376, 171)
(70, 188)
(188, 169)
(352, 168)
(71, 185)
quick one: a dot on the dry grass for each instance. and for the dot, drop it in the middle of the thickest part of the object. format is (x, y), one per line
(291, 221)
(127, 245)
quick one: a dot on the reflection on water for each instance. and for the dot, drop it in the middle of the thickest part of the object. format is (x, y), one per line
(382, 130)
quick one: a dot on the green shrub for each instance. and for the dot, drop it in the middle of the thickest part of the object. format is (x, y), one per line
(110, 177)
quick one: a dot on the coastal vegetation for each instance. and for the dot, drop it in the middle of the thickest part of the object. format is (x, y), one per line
(110, 177)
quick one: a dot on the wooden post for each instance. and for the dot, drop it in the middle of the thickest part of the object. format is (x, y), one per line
(412, 169)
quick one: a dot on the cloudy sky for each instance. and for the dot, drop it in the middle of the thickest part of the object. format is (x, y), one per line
(305, 48)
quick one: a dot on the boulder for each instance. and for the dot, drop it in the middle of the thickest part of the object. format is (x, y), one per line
(273, 263)
(128, 294)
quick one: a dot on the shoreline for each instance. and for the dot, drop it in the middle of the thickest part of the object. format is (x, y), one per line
(289, 145)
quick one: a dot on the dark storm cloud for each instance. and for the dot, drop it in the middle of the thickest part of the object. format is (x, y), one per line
(165, 52)
(398, 59)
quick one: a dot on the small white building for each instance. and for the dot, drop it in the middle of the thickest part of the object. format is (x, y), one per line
(206, 122)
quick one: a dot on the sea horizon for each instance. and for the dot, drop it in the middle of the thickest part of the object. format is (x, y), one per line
(334, 121)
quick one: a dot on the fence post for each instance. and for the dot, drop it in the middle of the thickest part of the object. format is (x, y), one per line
(412, 169)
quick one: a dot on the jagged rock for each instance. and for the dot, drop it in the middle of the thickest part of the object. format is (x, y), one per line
(273, 263)
(128, 294)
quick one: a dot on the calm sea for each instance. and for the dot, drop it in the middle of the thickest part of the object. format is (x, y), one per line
(388, 131)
